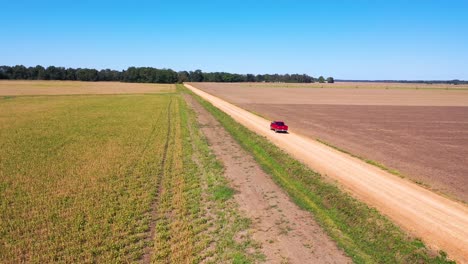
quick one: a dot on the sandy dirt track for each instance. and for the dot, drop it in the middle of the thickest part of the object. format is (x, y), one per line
(286, 233)
(17, 88)
(438, 221)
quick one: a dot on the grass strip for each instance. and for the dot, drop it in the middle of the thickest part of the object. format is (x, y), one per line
(362, 232)
(223, 236)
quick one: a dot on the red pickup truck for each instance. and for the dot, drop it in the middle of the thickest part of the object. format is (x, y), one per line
(278, 126)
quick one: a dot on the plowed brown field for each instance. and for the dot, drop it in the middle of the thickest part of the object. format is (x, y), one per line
(421, 133)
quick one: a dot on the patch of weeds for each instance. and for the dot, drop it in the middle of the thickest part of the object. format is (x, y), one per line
(239, 258)
(222, 193)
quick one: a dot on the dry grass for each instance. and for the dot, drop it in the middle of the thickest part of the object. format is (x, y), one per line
(16, 88)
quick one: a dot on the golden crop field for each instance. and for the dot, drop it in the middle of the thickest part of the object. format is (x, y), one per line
(111, 178)
(22, 87)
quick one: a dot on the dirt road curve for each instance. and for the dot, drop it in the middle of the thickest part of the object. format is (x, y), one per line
(438, 221)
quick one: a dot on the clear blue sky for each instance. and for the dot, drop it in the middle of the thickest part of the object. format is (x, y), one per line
(348, 39)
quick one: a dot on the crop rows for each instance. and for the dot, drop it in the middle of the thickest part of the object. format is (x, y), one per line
(193, 223)
(77, 176)
(121, 178)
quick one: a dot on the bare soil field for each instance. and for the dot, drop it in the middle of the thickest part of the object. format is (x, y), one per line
(247, 93)
(358, 85)
(427, 144)
(16, 88)
(421, 134)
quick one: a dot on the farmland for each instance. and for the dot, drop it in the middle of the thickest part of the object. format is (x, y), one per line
(120, 172)
(111, 178)
(14, 88)
(358, 228)
(419, 133)
(363, 85)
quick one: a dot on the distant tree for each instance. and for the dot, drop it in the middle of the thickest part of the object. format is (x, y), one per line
(260, 78)
(330, 80)
(183, 76)
(308, 79)
(108, 75)
(130, 75)
(37, 73)
(166, 76)
(214, 77)
(250, 78)
(321, 79)
(196, 76)
(19, 72)
(3, 72)
(87, 75)
(146, 75)
(55, 73)
(70, 74)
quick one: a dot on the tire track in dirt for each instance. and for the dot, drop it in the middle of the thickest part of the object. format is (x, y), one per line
(286, 233)
(152, 227)
(438, 221)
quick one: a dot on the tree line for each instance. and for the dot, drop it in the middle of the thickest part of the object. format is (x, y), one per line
(146, 75)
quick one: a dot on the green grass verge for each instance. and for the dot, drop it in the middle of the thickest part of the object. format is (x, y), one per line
(363, 233)
(225, 244)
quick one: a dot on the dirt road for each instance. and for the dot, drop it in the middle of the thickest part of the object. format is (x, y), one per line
(286, 233)
(438, 221)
